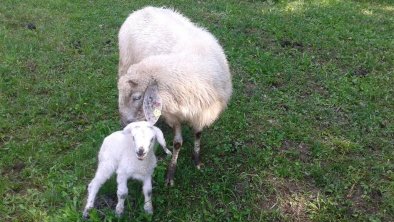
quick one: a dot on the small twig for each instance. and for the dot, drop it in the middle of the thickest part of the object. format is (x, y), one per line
(273, 205)
(350, 191)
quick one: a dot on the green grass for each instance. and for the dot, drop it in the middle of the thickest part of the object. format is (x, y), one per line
(308, 136)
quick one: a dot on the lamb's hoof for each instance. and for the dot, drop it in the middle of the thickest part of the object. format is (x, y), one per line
(85, 215)
(148, 210)
(119, 212)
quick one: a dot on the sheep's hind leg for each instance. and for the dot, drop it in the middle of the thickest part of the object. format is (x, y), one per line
(196, 153)
(177, 146)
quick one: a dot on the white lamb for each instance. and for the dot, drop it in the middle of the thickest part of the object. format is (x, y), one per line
(129, 153)
(170, 66)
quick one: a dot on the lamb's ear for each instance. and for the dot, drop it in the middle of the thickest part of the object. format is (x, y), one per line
(161, 140)
(126, 131)
(152, 104)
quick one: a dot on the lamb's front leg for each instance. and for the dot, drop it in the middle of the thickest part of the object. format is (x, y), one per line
(122, 193)
(147, 189)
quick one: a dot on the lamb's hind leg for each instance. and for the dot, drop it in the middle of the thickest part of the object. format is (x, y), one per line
(103, 173)
(196, 153)
(177, 146)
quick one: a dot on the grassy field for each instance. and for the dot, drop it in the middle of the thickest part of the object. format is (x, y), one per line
(308, 136)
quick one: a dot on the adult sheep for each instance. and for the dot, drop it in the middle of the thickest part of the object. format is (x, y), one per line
(172, 67)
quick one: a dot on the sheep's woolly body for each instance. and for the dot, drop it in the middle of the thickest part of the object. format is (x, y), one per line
(182, 63)
(187, 61)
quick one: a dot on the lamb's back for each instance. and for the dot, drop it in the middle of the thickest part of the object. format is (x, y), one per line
(114, 146)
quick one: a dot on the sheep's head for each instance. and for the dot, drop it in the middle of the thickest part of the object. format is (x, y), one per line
(138, 99)
(144, 136)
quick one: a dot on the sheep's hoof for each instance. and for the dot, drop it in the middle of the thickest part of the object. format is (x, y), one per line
(197, 162)
(199, 165)
(170, 176)
(170, 182)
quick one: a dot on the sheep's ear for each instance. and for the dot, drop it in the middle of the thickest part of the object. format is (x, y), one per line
(131, 77)
(160, 139)
(152, 104)
(132, 83)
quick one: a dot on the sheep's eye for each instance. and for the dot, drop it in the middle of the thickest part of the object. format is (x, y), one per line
(135, 98)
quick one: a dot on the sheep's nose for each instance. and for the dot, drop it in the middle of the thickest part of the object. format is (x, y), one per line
(126, 122)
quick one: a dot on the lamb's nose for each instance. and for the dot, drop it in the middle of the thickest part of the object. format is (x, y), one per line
(140, 152)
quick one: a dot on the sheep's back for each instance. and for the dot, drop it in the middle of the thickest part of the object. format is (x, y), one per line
(155, 31)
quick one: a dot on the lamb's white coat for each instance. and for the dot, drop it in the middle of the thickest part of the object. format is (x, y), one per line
(118, 154)
(188, 64)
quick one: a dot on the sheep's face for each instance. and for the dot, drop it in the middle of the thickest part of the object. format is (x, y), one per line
(143, 136)
(138, 99)
(131, 94)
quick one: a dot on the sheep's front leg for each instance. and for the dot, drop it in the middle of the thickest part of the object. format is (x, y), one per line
(177, 146)
(147, 190)
(103, 173)
(122, 193)
(196, 153)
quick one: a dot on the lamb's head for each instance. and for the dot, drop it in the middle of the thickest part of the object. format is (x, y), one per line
(138, 99)
(144, 136)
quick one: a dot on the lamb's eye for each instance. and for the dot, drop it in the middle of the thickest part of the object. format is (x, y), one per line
(138, 97)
